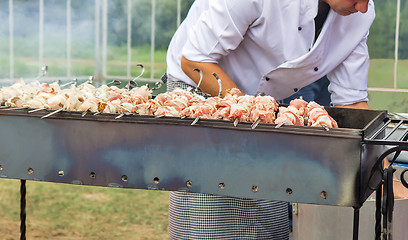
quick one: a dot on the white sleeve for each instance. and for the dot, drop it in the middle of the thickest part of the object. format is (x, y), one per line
(348, 81)
(220, 29)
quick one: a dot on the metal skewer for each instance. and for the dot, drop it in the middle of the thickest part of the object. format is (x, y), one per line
(36, 110)
(75, 81)
(85, 112)
(201, 79)
(44, 71)
(90, 79)
(219, 84)
(139, 65)
(132, 83)
(255, 124)
(195, 120)
(52, 113)
(120, 115)
(236, 121)
(279, 125)
(157, 86)
(114, 82)
(325, 127)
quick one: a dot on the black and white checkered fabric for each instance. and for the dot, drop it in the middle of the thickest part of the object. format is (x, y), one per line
(177, 84)
(204, 216)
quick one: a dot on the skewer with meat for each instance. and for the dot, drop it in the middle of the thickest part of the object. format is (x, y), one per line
(176, 102)
(173, 107)
(241, 110)
(263, 110)
(319, 117)
(289, 116)
(223, 106)
(203, 109)
(294, 114)
(300, 105)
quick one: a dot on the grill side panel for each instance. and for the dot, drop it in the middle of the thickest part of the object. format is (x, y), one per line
(307, 168)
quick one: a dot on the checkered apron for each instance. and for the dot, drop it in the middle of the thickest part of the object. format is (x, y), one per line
(204, 216)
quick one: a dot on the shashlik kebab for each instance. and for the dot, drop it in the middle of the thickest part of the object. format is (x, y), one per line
(178, 103)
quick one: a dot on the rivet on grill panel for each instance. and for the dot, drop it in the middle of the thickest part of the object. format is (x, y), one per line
(323, 194)
(221, 185)
(189, 183)
(255, 188)
(124, 178)
(156, 180)
(92, 175)
(289, 191)
(61, 173)
(1, 168)
(30, 171)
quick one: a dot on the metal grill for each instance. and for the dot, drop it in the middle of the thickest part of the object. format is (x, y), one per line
(397, 133)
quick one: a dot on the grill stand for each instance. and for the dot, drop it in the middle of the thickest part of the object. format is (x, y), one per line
(384, 194)
(386, 208)
(356, 222)
(22, 209)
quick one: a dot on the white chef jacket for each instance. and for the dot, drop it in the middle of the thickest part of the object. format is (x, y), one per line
(268, 46)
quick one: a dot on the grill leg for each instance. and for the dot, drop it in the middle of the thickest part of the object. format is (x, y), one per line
(356, 222)
(23, 210)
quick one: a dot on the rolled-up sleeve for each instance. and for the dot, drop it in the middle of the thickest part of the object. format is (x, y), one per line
(348, 82)
(220, 29)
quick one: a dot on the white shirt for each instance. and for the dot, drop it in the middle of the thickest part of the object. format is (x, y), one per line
(268, 46)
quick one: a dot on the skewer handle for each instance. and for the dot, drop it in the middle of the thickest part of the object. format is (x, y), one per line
(219, 84)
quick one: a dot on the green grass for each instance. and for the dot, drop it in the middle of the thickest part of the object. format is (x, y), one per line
(64, 211)
(26, 63)
(381, 76)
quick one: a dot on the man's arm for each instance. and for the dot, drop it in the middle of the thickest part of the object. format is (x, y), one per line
(209, 83)
(359, 105)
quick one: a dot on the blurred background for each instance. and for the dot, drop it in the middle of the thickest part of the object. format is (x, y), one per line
(107, 39)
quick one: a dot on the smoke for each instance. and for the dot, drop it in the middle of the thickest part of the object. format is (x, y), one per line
(26, 35)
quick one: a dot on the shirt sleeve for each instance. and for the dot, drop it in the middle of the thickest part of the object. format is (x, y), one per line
(220, 29)
(348, 82)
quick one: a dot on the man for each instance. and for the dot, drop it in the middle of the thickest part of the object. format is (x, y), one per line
(272, 47)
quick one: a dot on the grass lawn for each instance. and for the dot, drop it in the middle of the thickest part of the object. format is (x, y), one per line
(381, 76)
(64, 211)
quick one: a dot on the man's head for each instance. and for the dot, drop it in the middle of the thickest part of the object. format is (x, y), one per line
(347, 7)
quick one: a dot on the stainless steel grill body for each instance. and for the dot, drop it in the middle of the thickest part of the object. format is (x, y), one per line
(297, 164)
